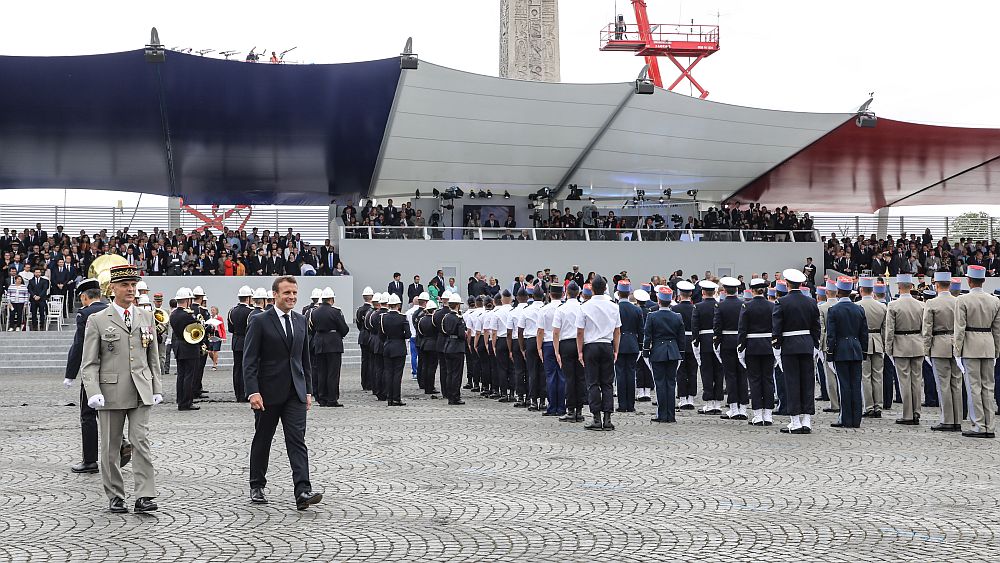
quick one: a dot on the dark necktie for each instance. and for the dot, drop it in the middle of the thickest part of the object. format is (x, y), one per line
(288, 330)
(128, 321)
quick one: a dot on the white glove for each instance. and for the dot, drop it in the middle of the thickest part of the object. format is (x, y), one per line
(961, 365)
(67, 382)
(96, 401)
(157, 399)
(817, 354)
(697, 353)
(833, 368)
(777, 358)
(718, 353)
(742, 355)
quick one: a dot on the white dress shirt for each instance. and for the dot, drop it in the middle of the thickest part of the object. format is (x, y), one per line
(565, 319)
(281, 321)
(545, 316)
(599, 317)
(514, 318)
(529, 319)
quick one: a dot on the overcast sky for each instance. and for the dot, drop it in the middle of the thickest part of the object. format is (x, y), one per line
(930, 62)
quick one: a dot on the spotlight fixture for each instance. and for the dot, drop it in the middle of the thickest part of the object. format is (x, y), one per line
(453, 192)
(693, 194)
(865, 116)
(489, 194)
(640, 195)
(661, 201)
(417, 194)
(592, 201)
(154, 51)
(472, 194)
(643, 85)
(481, 194)
(667, 192)
(531, 205)
(436, 193)
(506, 195)
(408, 59)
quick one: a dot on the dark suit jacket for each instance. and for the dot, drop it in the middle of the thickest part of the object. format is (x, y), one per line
(270, 366)
(76, 350)
(39, 287)
(397, 288)
(413, 290)
(846, 332)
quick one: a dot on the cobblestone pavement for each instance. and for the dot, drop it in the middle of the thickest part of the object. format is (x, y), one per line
(430, 482)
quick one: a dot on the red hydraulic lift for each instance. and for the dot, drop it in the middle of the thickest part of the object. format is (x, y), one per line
(662, 40)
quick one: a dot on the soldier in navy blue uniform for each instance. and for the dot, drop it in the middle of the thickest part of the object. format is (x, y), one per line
(725, 325)
(755, 352)
(780, 289)
(704, 354)
(427, 338)
(663, 340)
(395, 331)
(795, 339)
(377, 344)
(364, 338)
(89, 291)
(327, 329)
(846, 341)
(643, 370)
(687, 371)
(453, 331)
(628, 347)
(239, 320)
(188, 355)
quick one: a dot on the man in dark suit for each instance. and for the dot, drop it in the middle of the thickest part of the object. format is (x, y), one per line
(62, 283)
(278, 379)
(414, 290)
(156, 264)
(327, 328)
(38, 294)
(329, 258)
(396, 286)
(846, 341)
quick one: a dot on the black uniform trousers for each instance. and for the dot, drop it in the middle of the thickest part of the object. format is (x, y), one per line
(576, 380)
(317, 375)
(366, 367)
(536, 370)
(625, 374)
(292, 415)
(186, 371)
(687, 375)
(599, 367)
(736, 378)
(238, 387)
(471, 367)
(643, 375)
(711, 375)
(426, 368)
(39, 309)
(520, 371)
(485, 361)
(379, 384)
(451, 375)
(199, 376)
(849, 379)
(824, 395)
(760, 376)
(800, 383)
(504, 369)
(88, 425)
(393, 378)
(328, 367)
(665, 379)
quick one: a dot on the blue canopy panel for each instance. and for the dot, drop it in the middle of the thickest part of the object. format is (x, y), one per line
(239, 133)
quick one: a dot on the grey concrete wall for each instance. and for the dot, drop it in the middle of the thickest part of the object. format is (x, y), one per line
(221, 291)
(372, 262)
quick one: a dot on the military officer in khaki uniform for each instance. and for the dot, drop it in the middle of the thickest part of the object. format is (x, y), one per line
(977, 345)
(833, 391)
(872, 366)
(904, 345)
(121, 368)
(938, 333)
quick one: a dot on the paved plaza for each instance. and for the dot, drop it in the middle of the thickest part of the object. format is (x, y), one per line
(429, 482)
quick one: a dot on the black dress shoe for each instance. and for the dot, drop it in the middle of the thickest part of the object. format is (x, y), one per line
(831, 410)
(257, 496)
(801, 430)
(126, 454)
(687, 407)
(548, 413)
(431, 392)
(505, 400)
(837, 425)
(145, 504)
(303, 500)
(191, 408)
(117, 506)
(876, 414)
(467, 386)
(785, 430)
(397, 404)
(644, 399)
(905, 422)
(942, 427)
(739, 417)
(85, 467)
(456, 402)
(972, 434)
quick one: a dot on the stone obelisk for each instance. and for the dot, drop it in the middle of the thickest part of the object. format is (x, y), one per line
(529, 40)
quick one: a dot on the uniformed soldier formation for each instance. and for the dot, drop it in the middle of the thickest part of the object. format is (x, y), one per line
(758, 355)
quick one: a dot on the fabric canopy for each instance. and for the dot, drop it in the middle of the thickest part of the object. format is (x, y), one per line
(215, 131)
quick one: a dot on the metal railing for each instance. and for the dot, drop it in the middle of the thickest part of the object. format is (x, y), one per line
(978, 228)
(586, 234)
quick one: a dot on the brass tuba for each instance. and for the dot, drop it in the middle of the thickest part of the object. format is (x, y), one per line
(100, 269)
(194, 333)
(160, 315)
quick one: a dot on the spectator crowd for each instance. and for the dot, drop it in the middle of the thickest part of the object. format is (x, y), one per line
(911, 254)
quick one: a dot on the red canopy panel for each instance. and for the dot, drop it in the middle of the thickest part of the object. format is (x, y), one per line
(854, 169)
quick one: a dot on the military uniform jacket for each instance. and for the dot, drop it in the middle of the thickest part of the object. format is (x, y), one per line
(903, 324)
(875, 312)
(977, 326)
(795, 324)
(664, 336)
(939, 326)
(76, 350)
(823, 308)
(115, 362)
(755, 327)
(415, 319)
(726, 323)
(846, 332)
(452, 333)
(359, 321)
(437, 320)
(395, 331)
(427, 333)
(701, 322)
(685, 309)
(179, 319)
(328, 328)
(376, 339)
(632, 329)
(239, 319)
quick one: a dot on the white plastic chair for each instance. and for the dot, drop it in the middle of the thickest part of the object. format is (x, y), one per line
(54, 314)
